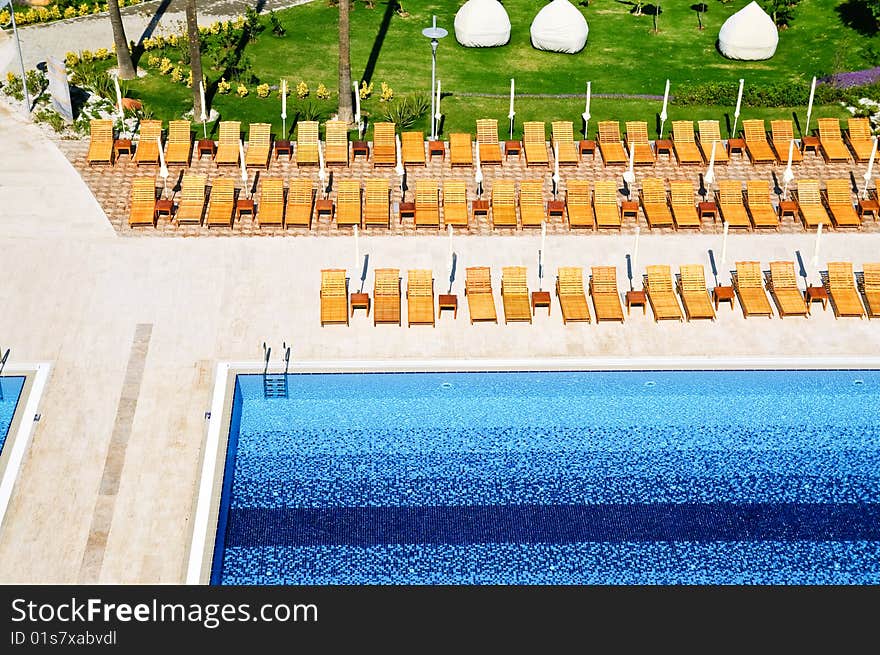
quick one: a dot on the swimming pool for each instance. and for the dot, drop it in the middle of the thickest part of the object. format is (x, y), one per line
(10, 392)
(601, 477)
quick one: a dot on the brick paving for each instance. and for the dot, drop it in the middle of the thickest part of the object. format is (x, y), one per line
(111, 187)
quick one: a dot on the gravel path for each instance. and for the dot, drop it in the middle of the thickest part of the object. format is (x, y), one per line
(141, 21)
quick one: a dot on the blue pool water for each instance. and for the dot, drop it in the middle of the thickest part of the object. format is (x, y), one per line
(703, 477)
(10, 390)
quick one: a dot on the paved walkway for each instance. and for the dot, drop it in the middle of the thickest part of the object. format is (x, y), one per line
(141, 21)
(134, 328)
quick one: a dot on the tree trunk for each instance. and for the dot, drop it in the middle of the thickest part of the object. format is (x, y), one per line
(123, 55)
(195, 56)
(345, 88)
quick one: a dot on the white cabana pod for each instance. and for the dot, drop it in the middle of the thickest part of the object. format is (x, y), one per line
(749, 34)
(482, 24)
(559, 27)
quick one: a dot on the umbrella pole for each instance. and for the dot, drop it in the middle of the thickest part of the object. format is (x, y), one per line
(511, 127)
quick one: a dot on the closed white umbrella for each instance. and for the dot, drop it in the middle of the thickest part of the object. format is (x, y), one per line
(322, 174)
(724, 243)
(816, 247)
(541, 255)
(663, 115)
(284, 108)
(788, 174)
(449, 259)
(119, 101)
(511, 113)
(244, 175)
(586, 114)
(630, 175)
(204, 116)
(357, 108)
(399, 168)
(739, 99)
(163, 169)
(810, 107)
(438, 114)
(478, 174)
(555, 170)
(870, 170)
(709, 177)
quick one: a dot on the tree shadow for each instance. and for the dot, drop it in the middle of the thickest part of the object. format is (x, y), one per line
(856, 14)
(390, 9)
(138, 50)
(651, 10)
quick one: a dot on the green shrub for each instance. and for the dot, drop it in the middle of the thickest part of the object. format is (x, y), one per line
(50, 116)
(783, 94)
(405, 111)
(275, 23)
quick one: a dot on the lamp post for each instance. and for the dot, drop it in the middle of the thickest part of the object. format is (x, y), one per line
(27, 97)
(435, 34)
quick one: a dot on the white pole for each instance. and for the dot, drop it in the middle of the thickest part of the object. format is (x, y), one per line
(438, 114)
(511, 113)
(357, 107)
(284, 108)
(478, 171)
(399, 168)
(816, 248)
(635, 256)
(663, 115)
(163, 169)
(724, 243)
(555, 170)
(27, 95)
(118, 99)
(870, 168)
(433, 78)
(810, 107)
(739, 98)
(586, 113)
(322, 174)
(244, 175)
(204, 116)
(788, 174)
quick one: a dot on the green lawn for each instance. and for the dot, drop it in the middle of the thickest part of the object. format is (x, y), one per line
(622, 56)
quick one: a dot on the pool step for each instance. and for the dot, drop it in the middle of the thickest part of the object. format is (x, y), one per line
(274, 385)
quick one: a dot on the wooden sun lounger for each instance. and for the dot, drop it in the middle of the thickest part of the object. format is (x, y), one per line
(610, 145)
(386, 295)
(384, 145)
(749, 289)
(427, 204)
(654, 203)
(757, 147)
(859, 138)
(782, 133)
(179, 145)
(192, 199)
(838, 195)
(377, 203)
(487, 137)
(570, 291)
(221, 205)
(758, 203)
(694, 294)
(336, 143)
(661, 295)
(684, 210)
(503, 204)
(577, 203)
(143, 202)
(783, 287)
(334, 296)
(531, 203)
(842, 290)
(515, 294)
(710, 131)
(455, 207)
(563, 143)
(831, 141)
(637, 139)
(227, 144)
(100, 142)
(420, 297)
(412, 148)
(869, 284)
(478, 289)
(271, 207)
(534, 143)
(605, 206)
(603, 289)
(461, 149)
(684, 143)
(300, 202)
(809, 202)
(259, 145)
(348, 203)
(307, 143)
(730, 204)
(148, 143)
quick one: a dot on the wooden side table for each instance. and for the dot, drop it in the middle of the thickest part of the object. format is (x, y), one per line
(206, 147)
(722, 294)
(323, 206)
(663, 145)
(555, 208)
(480, 207)
(120, 146)
(814, 294)
(283, 146)
(869, 206)
(736, 145)
(587, 147)
(541, 299)
(164, 206)
(447, 301)
(244, 205)
(360, 301)
(810, 143)
(408, 210)
(629, 208)
(360, 148)
(788, 208)
(512, 148)
(436, 148)
(707, 210)
(636, 298)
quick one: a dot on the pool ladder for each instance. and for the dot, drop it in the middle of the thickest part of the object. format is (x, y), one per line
(2, 366)
(275, 384)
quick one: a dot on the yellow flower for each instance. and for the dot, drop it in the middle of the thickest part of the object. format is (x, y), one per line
(176, 75)
(302, 90)
(11, 77)
(102, 53)
(84, 10)
(387, 93)
(322, 92)
(263, 91)
(242, 90)
(223, 87)
(366, 91)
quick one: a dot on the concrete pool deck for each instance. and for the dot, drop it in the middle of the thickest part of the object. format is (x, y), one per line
(133, 329)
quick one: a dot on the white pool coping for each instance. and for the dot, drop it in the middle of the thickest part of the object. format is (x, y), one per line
(17, 443)
(205, 519)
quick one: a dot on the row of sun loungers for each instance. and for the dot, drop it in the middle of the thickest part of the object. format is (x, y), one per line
(662, 290)
(688, 148)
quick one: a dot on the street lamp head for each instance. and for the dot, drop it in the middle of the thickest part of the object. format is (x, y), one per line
(434, 33)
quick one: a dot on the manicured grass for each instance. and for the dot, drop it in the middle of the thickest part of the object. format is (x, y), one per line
(622, 56)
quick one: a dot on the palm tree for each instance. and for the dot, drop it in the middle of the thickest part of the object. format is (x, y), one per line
(195, 56)
(123, 55)
(345, 112)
